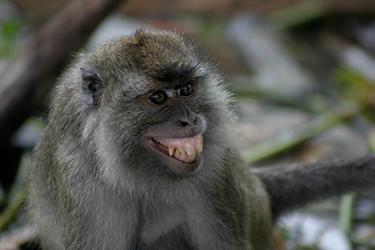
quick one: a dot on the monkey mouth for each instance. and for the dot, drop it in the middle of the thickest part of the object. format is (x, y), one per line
(186, 150)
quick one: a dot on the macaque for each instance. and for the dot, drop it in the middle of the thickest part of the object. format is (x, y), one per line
(138, 154)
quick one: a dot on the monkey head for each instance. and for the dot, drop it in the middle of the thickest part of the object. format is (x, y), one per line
(152, 102)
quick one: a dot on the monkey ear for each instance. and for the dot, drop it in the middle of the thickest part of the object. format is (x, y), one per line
(91, 86)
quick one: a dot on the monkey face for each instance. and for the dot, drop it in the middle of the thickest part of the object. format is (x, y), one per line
(178, 140)
(165, 127)
(161, 106)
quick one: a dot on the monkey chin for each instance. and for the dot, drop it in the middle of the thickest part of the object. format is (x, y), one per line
(175, 165)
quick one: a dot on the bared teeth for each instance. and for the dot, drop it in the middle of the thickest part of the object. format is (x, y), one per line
(171, 151)
(179, 154)
(189, 149)
(184, 149)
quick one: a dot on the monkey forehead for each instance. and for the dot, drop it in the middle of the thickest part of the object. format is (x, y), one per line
(137, 84)
(152, 53)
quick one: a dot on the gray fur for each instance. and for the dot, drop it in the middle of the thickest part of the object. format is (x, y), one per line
(93, 185)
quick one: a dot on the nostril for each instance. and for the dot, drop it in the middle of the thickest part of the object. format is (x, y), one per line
(195, 121)
(184, 123)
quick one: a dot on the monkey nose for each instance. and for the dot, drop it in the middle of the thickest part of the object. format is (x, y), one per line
(188, 122)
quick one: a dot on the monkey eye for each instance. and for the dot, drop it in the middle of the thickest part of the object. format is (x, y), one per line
(158, 97)
(186, 90)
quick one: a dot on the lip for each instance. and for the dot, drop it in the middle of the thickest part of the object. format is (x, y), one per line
(175, 165)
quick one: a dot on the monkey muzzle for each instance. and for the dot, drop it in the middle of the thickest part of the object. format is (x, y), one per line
(178, 144)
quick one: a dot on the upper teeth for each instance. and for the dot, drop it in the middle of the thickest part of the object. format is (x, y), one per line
(184, 149)
(171, 151)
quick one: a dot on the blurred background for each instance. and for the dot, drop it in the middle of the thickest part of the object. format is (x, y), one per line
(302, 74)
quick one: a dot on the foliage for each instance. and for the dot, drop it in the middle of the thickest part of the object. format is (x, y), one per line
(9, 31)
